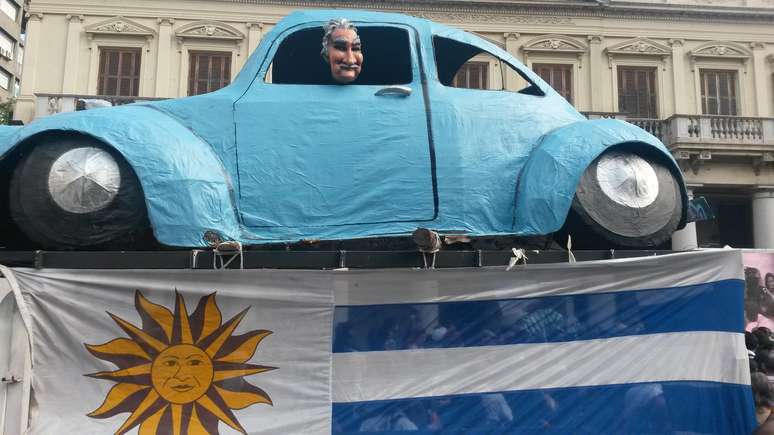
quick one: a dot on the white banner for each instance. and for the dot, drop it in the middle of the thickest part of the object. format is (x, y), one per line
(646, 345)
(178, 352)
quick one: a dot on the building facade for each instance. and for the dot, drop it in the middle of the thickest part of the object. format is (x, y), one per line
(699, 74)
(12, 18)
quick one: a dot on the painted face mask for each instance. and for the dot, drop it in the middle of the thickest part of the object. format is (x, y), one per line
(345, 56)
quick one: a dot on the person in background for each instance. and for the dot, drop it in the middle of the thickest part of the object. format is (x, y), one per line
(763, 396)
(765, 314)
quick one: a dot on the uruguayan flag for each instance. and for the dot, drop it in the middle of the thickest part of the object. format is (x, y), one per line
(641, 346)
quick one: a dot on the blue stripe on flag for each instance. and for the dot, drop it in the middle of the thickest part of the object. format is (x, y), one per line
(715, 306)
(648, 408)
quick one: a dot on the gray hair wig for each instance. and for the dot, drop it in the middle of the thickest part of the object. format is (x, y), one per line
(330, 27)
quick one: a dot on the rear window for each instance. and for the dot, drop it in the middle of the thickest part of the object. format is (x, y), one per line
(463, 65)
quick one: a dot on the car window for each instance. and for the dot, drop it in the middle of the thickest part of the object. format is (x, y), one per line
(463, 65)
(386, 58)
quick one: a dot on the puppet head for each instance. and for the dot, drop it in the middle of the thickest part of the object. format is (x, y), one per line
(341, 48)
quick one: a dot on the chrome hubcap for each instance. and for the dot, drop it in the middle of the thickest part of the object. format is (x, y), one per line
(627, 179)
(84, 180)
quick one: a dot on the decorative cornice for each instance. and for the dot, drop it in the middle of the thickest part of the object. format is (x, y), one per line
(209, 29)
(490, 18)
(641, 47)
(119, 26)
(555, 43)
(720, 50)
(548, 9)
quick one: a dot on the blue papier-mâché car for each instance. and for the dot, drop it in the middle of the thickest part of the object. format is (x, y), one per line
(284, 154)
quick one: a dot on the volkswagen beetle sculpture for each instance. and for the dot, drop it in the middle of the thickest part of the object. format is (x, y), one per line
(285, 154)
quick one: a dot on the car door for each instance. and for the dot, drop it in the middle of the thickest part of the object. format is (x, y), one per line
(315, 154)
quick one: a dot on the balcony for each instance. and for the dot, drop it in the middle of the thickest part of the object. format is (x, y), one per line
(704, 131)
(49, 104)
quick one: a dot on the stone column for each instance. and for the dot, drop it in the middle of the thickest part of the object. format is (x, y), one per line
(25, 104)
(679, 79)
(762, 79)
(163, 58)
(511, 46)
(72, 54)
(253, 36)
(685, 239)
(598, 65)
(763, 218)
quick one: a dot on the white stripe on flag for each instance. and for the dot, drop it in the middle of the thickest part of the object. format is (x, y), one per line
(686, 356)
(372, 287)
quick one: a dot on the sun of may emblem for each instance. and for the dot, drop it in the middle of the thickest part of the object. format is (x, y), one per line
(180, 373)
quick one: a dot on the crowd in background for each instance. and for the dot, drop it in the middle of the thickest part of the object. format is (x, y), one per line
(759, 319)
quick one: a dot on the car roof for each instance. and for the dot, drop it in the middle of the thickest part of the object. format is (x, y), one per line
(322, 15)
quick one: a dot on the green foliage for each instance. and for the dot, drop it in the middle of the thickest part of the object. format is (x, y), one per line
(6, 110)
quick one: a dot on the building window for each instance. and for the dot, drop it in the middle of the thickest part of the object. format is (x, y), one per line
(5, 80)
(208, 72)
(637, 92)
(10, 9)
(472, 75)
(559, 76)
(119, 72)
(7, 45)
(718, 92)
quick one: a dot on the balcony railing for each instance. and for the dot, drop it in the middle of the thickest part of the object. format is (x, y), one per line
(703, 129)
(711, 129)
(49, 104)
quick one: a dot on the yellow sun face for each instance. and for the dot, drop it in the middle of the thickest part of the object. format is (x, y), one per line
(180, 373)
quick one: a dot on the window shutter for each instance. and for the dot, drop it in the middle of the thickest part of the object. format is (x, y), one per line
(119, 72)
(718, 92)
(637, 95)
(558, 76)
(208, 72)
(472, 75)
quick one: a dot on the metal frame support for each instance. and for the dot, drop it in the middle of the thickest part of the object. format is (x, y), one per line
(225, 253)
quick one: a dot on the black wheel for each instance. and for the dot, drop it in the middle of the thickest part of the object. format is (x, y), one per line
(75, 192)
(627, 199)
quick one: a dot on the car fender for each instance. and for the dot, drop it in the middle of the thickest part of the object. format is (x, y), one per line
(187, 190)
(7, 137)
(548, 181)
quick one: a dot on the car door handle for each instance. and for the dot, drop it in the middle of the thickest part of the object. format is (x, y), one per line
(401, 91)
